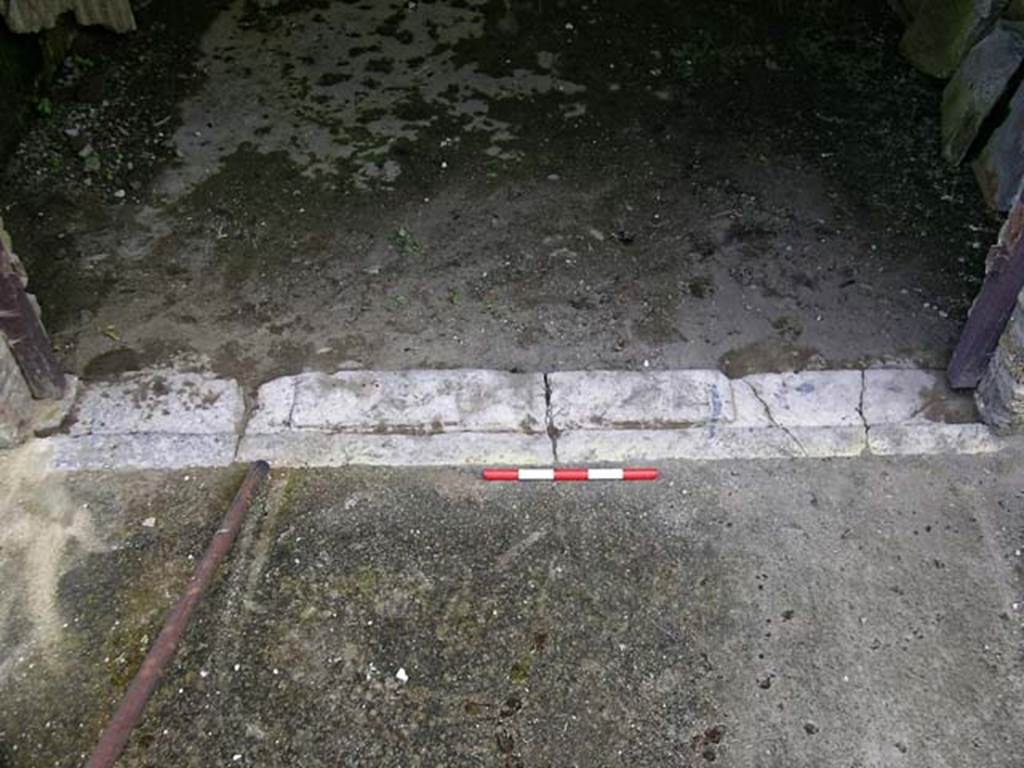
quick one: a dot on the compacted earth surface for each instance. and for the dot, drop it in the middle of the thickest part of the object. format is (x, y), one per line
(860, 612)
(259, 188)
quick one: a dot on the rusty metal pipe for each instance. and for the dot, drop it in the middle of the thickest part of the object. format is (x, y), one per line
(129, 712)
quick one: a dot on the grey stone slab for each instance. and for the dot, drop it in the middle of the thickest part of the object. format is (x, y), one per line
(1000, 396)
(919, 396)
(632, 400)
(16, 405)
(160, 401)
(49, 415)
(809, 398)
(312, 448)
(978, 85)
(943, 31)
(421, 401)
(141, 450)
(1000, 166)
(935, 438)
(728, 442)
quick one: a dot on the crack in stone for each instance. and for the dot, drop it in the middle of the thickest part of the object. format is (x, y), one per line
(777, 425)
(249, 405)
(860, 411)
(549, 416)
(295, 401)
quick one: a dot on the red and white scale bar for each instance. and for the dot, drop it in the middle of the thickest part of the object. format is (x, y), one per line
(567, 474)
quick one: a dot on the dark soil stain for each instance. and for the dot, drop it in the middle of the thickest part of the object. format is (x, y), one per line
(111, 364)
(769, 356)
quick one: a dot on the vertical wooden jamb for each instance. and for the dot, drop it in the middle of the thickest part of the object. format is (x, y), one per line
(26, 336)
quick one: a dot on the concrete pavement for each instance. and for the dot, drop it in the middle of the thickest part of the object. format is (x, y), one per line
(863, 611)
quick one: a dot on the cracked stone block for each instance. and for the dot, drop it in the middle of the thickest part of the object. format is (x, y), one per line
(272, 411)
(805, 399)
(893, 396)
(160, 401)
(977, 87)
(16, 404)
(942, 32)
(421, 401)
(634, 400)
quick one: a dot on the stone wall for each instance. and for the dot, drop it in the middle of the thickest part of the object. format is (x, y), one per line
(16, 405)
(979, 46)
(32, 16)
(1000, 395)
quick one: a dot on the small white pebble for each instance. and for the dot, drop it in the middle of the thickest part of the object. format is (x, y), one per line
(401, 675)
(149, 522)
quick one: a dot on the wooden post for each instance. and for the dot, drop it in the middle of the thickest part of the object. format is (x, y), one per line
(988, 317)
(26, 336)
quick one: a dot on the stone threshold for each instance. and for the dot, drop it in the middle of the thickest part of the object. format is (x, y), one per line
(171, 419)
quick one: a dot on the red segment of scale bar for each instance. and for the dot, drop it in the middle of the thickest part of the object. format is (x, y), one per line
(571, 474)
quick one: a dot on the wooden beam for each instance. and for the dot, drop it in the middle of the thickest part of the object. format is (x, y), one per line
(988, 318)
(26, 336)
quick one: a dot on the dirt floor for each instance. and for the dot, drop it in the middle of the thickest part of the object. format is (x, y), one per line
(862, 612)
(496, 183)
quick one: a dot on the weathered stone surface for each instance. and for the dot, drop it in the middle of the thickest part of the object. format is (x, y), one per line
(272, 411)
(1000, 396)
(150, 420)
(979, 83)
(1000, 166)
(933, 438)
(807, 399)
(160, 401)
(420, 402)
(633, 400)
(726, 442)
(751, 411)
(400, 418)
(16, 405)
(32, 16)
(142, 450)
(893, 396)
(944, 30)
(48, 415)
(314, 448)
